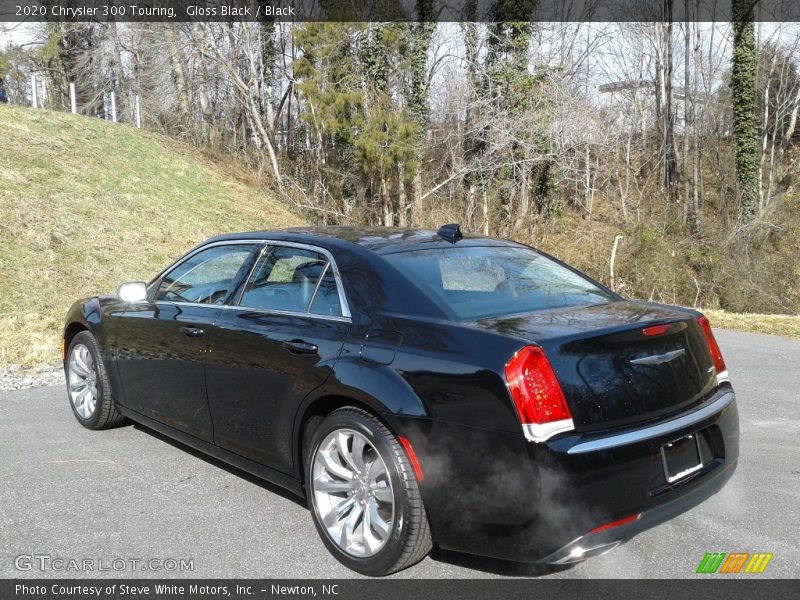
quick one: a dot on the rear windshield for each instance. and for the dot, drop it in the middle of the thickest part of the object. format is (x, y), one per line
(478, 282)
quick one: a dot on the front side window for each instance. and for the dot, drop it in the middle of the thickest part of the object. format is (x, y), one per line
(284, 279)
(486, 281)
(207, 277)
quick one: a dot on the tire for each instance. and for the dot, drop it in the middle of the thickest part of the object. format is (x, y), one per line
(378, 549)
(82, 373)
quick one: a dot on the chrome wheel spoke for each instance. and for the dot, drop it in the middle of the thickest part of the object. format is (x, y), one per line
(338, 512)
(376, 469)
(342, 442)
(381, 527)
(383, 494)
(332, 486)
(333, 466)
(359, 445)
(79, 368)
(371, 541)
(349, 527)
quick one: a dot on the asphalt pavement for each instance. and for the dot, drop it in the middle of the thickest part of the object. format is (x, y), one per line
(129, 494)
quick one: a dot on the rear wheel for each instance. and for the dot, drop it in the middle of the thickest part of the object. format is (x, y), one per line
(87, 384)
(363, 495)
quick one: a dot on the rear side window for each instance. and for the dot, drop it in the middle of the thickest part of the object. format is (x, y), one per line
(480, 282)
(326, 300)
(284, 279)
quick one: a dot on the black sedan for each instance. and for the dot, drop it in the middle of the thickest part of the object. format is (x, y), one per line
(418, 387)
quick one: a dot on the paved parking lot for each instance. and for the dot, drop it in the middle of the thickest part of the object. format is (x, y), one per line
(128, 494)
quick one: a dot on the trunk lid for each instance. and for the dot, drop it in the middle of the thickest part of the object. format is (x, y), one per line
(611, 371)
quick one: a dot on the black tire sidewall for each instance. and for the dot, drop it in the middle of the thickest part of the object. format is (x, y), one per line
(87, 339)
(388, 556)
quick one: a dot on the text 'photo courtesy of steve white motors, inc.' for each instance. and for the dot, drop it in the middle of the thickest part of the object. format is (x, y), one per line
(171, 590)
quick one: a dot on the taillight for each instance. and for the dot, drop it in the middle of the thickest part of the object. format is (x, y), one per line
(713, 348)
(541, 406)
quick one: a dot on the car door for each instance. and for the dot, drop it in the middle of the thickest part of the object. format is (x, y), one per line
(272, 348)
(161, 345)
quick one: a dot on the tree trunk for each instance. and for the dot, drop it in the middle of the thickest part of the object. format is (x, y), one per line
(670, 159)
(178, 66)
(401, 196)
(743, 84)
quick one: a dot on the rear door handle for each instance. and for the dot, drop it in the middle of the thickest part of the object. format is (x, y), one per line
(300, 347)
(192, 331)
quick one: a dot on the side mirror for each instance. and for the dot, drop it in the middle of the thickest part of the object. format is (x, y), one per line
(132, 291)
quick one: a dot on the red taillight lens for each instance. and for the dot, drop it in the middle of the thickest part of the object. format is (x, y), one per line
(540, 403)
(713, 347)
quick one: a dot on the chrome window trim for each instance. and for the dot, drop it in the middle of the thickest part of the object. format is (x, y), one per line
(346, 316)
(286, 313)
(250, 273)
(316, 287)
(646, 433)
(269, 311)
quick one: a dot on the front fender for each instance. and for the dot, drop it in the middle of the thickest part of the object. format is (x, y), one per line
(87, 312)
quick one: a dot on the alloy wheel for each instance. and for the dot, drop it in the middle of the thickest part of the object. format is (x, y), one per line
(353, 494)
(82, 381)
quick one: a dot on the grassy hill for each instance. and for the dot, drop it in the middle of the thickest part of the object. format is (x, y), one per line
(86, 204)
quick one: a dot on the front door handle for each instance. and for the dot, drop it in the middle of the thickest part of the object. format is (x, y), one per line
(192, 331)
(300, 347)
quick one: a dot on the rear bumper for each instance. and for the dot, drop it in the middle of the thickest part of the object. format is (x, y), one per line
(594, 544)
(494, 494)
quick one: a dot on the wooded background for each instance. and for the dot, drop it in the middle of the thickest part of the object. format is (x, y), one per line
(676, 142)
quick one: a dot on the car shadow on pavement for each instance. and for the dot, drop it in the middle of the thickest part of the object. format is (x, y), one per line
(495, 566)
(266, 485)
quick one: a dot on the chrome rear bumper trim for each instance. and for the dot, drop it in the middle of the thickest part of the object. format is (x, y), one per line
(663, 428)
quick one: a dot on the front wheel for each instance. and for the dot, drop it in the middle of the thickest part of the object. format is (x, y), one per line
(363, 495)
(87, 384)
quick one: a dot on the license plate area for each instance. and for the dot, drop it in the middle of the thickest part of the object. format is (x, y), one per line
(681, 458)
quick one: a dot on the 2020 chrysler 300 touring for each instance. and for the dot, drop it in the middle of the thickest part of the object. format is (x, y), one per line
(418, 387)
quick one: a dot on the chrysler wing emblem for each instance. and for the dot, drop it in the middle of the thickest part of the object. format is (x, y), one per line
(658, 359)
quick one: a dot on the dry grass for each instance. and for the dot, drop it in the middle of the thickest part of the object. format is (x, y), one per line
(783, 325)
(85, 205)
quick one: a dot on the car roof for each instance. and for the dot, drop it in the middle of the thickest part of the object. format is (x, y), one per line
(381, 240)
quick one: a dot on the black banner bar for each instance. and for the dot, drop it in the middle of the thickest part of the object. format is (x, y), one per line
(175, 11)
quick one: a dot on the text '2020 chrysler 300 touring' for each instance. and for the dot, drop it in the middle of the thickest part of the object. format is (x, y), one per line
(418, 387)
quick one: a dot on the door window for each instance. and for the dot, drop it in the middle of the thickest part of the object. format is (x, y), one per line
(285, 279)
(207, 277)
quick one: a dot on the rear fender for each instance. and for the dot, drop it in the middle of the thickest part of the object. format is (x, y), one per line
(378, 388)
